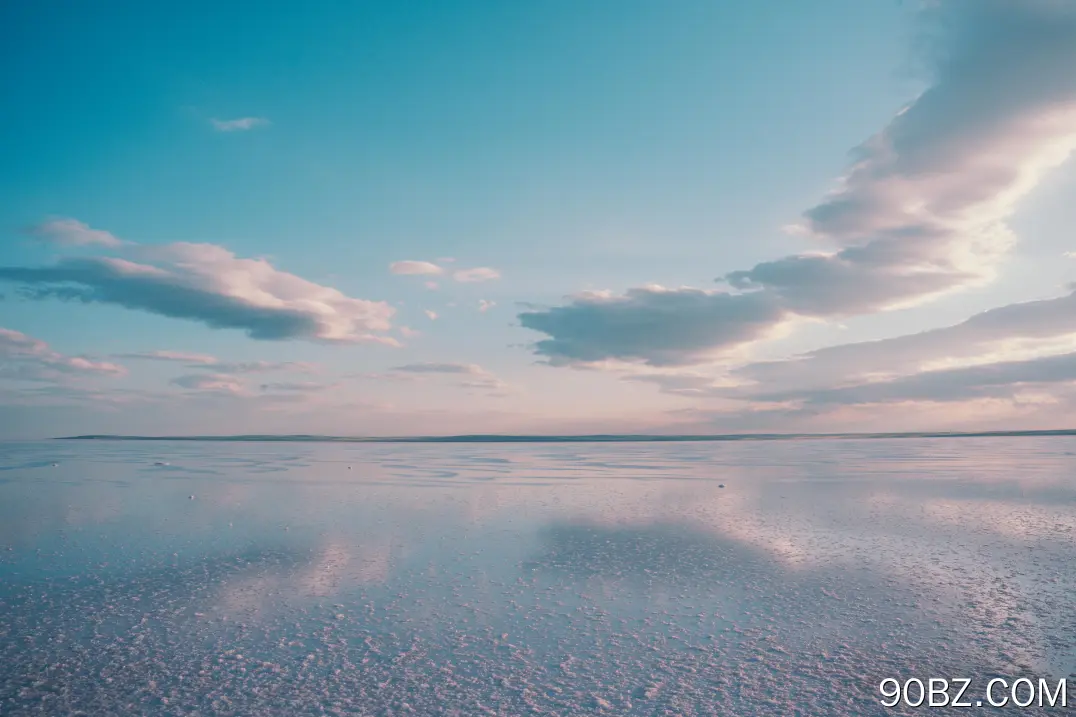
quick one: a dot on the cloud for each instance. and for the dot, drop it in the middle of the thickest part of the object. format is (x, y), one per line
(655, 325)
(171, 356)
(1004, 379)
(260, 367)
(450, 368)
(408, 332)
(1003, 332)
(1011, 363)
(425, 268)
(205, 361)
(679, 384)
(485, 306)
(413, 268)
(296, 386)
(477, 274)
(71, 232)
(920, 213)
(431, 315)
(473, 376)
(241, 124)
(211, 383)
(25, 358)
(209, 284)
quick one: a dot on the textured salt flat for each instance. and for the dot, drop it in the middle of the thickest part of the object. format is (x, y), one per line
(272, 579)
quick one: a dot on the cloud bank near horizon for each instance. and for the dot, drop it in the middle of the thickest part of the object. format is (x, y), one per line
(24, 358)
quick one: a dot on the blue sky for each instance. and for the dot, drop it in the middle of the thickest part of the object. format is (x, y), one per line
(620, 216)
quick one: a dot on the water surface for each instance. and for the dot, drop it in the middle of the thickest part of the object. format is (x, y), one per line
(737, 578)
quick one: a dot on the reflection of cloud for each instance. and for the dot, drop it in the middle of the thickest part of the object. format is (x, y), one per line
(667, 552)
(335, 568)
(338, 566)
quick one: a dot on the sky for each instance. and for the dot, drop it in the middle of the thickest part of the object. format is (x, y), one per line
(584, 216)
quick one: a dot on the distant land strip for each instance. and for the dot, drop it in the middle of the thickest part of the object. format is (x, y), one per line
(597, 438)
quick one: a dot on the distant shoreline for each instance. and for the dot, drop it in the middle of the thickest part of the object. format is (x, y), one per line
(596, 438)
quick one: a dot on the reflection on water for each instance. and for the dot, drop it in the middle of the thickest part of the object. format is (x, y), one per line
(269, 579)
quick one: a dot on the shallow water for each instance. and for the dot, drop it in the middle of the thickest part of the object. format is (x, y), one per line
(376, 579)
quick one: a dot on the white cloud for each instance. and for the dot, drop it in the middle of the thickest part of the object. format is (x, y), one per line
(920, 213)
(485, 306)
(1006, 332)
(477, 274)
(414, 268)
(211, 383)
(211, 285)
(240, 124)
(431, 315)
(71, 232)
(171, 356)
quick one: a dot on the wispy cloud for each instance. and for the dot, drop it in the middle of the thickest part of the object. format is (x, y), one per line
(413, 268)
(170, 356)
(240, 124)
(472, 375)
(211, 383)
(920, 213)
(1013, 361)
(211, 285)
(25, 358)
(260, 367)
(451, 368)
(995, 335)
(71, 232)
(430, 314)
(207, 362)
(484, 305)
(295, 386)
(475, 275)
(1004, 379)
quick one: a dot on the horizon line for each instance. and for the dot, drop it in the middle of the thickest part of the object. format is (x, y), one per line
(571, 438)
